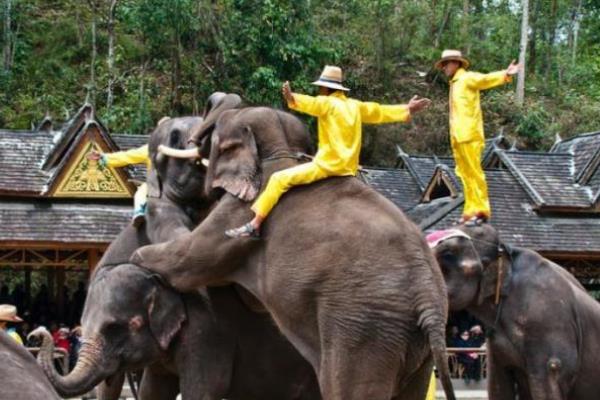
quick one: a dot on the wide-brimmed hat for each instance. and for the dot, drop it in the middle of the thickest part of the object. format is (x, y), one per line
(331, 77)
(8, 313)
(452, 55)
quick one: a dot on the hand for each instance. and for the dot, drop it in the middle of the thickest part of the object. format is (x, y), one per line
(286, 91)
(94, 155)
(513, 68)
(417, 104)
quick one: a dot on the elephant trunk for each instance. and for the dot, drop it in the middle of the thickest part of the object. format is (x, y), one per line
(84, 376)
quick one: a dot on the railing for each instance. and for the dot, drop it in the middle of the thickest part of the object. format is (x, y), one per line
(61, 355)
(457, 369)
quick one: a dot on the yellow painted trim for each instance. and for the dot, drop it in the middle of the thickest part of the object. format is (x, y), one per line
(87, 179)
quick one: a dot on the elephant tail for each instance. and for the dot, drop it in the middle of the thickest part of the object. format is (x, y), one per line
(440, 359)
(431, 307)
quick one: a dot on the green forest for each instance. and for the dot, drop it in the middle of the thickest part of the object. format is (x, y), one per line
(139, 60)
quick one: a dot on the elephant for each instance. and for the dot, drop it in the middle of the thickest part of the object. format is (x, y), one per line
(208, 348)
(198, 348)
(20, 376)
(542, 325)
(348, 279)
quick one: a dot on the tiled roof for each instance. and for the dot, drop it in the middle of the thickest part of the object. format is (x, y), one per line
(22, 154)
(547, 177)
(90, 222)
(583, 147)
(398, 185)
(21, 157)
(519, 224)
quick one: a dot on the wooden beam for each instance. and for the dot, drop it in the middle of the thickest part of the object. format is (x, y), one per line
(50, 245)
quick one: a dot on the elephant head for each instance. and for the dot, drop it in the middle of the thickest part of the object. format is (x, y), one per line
(179, 180)
(130, 319)
(469, 257)
(243, 140)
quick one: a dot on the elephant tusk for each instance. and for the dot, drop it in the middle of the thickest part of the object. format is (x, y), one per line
(204, 162)
(178, 153)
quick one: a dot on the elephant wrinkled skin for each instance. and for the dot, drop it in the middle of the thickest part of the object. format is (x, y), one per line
(20, 376)
(543, 335)
(206, 346)
(347, 277)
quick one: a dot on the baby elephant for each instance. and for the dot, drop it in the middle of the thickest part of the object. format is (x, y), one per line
(543, 327)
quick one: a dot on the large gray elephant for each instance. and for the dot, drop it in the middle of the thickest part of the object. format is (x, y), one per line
(347, 277)
(207, 346)
(20, 376)
(543, 327)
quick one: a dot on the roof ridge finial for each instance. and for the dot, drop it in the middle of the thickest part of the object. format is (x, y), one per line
(557, 138)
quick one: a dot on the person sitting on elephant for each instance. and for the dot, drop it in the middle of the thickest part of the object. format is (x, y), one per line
(340, 131)
(139, 155)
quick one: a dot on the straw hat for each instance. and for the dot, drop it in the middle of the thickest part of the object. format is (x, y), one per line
(452, 55)
(331, 77)
(8, 313)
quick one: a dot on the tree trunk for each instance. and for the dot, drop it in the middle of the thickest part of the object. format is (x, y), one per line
(574, 29)
(7, 36)
(534, 34)
(551, 37)
(464, 29)
(443, 24)
(92, 88)
(111, 54)
(522, 53)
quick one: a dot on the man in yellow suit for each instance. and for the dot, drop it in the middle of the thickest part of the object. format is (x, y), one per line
(466, 127)
(138, 155)
(340, 122)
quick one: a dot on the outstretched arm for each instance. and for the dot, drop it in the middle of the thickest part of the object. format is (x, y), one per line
(138, 155)
(493, 79)
(315, 106)
(374, 113)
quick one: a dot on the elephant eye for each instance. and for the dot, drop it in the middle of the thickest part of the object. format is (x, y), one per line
(448, 258)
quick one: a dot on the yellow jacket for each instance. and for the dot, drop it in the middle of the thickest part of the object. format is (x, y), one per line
(340, 127)
(138, 155)
(466, 121)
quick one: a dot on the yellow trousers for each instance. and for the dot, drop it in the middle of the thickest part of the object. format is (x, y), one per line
(281, 181)
(467, 156)
(140, 197)
(431, 389)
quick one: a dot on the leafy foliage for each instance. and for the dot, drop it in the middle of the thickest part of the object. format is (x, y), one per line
(170, 55)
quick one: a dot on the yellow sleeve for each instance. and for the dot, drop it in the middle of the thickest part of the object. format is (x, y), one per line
(487, 81)
(138, 155)
(374, 113)
(311, 105)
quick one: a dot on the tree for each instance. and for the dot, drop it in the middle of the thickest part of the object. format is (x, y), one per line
(523, 53)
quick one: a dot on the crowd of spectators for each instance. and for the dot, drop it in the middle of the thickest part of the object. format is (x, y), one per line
(42, 310)
(465, 331)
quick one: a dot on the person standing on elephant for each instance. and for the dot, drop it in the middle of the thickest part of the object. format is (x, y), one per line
(139, 155)
(466, 127)
(340, 122)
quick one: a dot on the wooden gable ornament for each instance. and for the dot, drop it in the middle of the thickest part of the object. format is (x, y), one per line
(78, 176)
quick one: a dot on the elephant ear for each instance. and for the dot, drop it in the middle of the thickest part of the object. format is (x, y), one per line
(217, 103)
(166, 313)
(237, 166)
